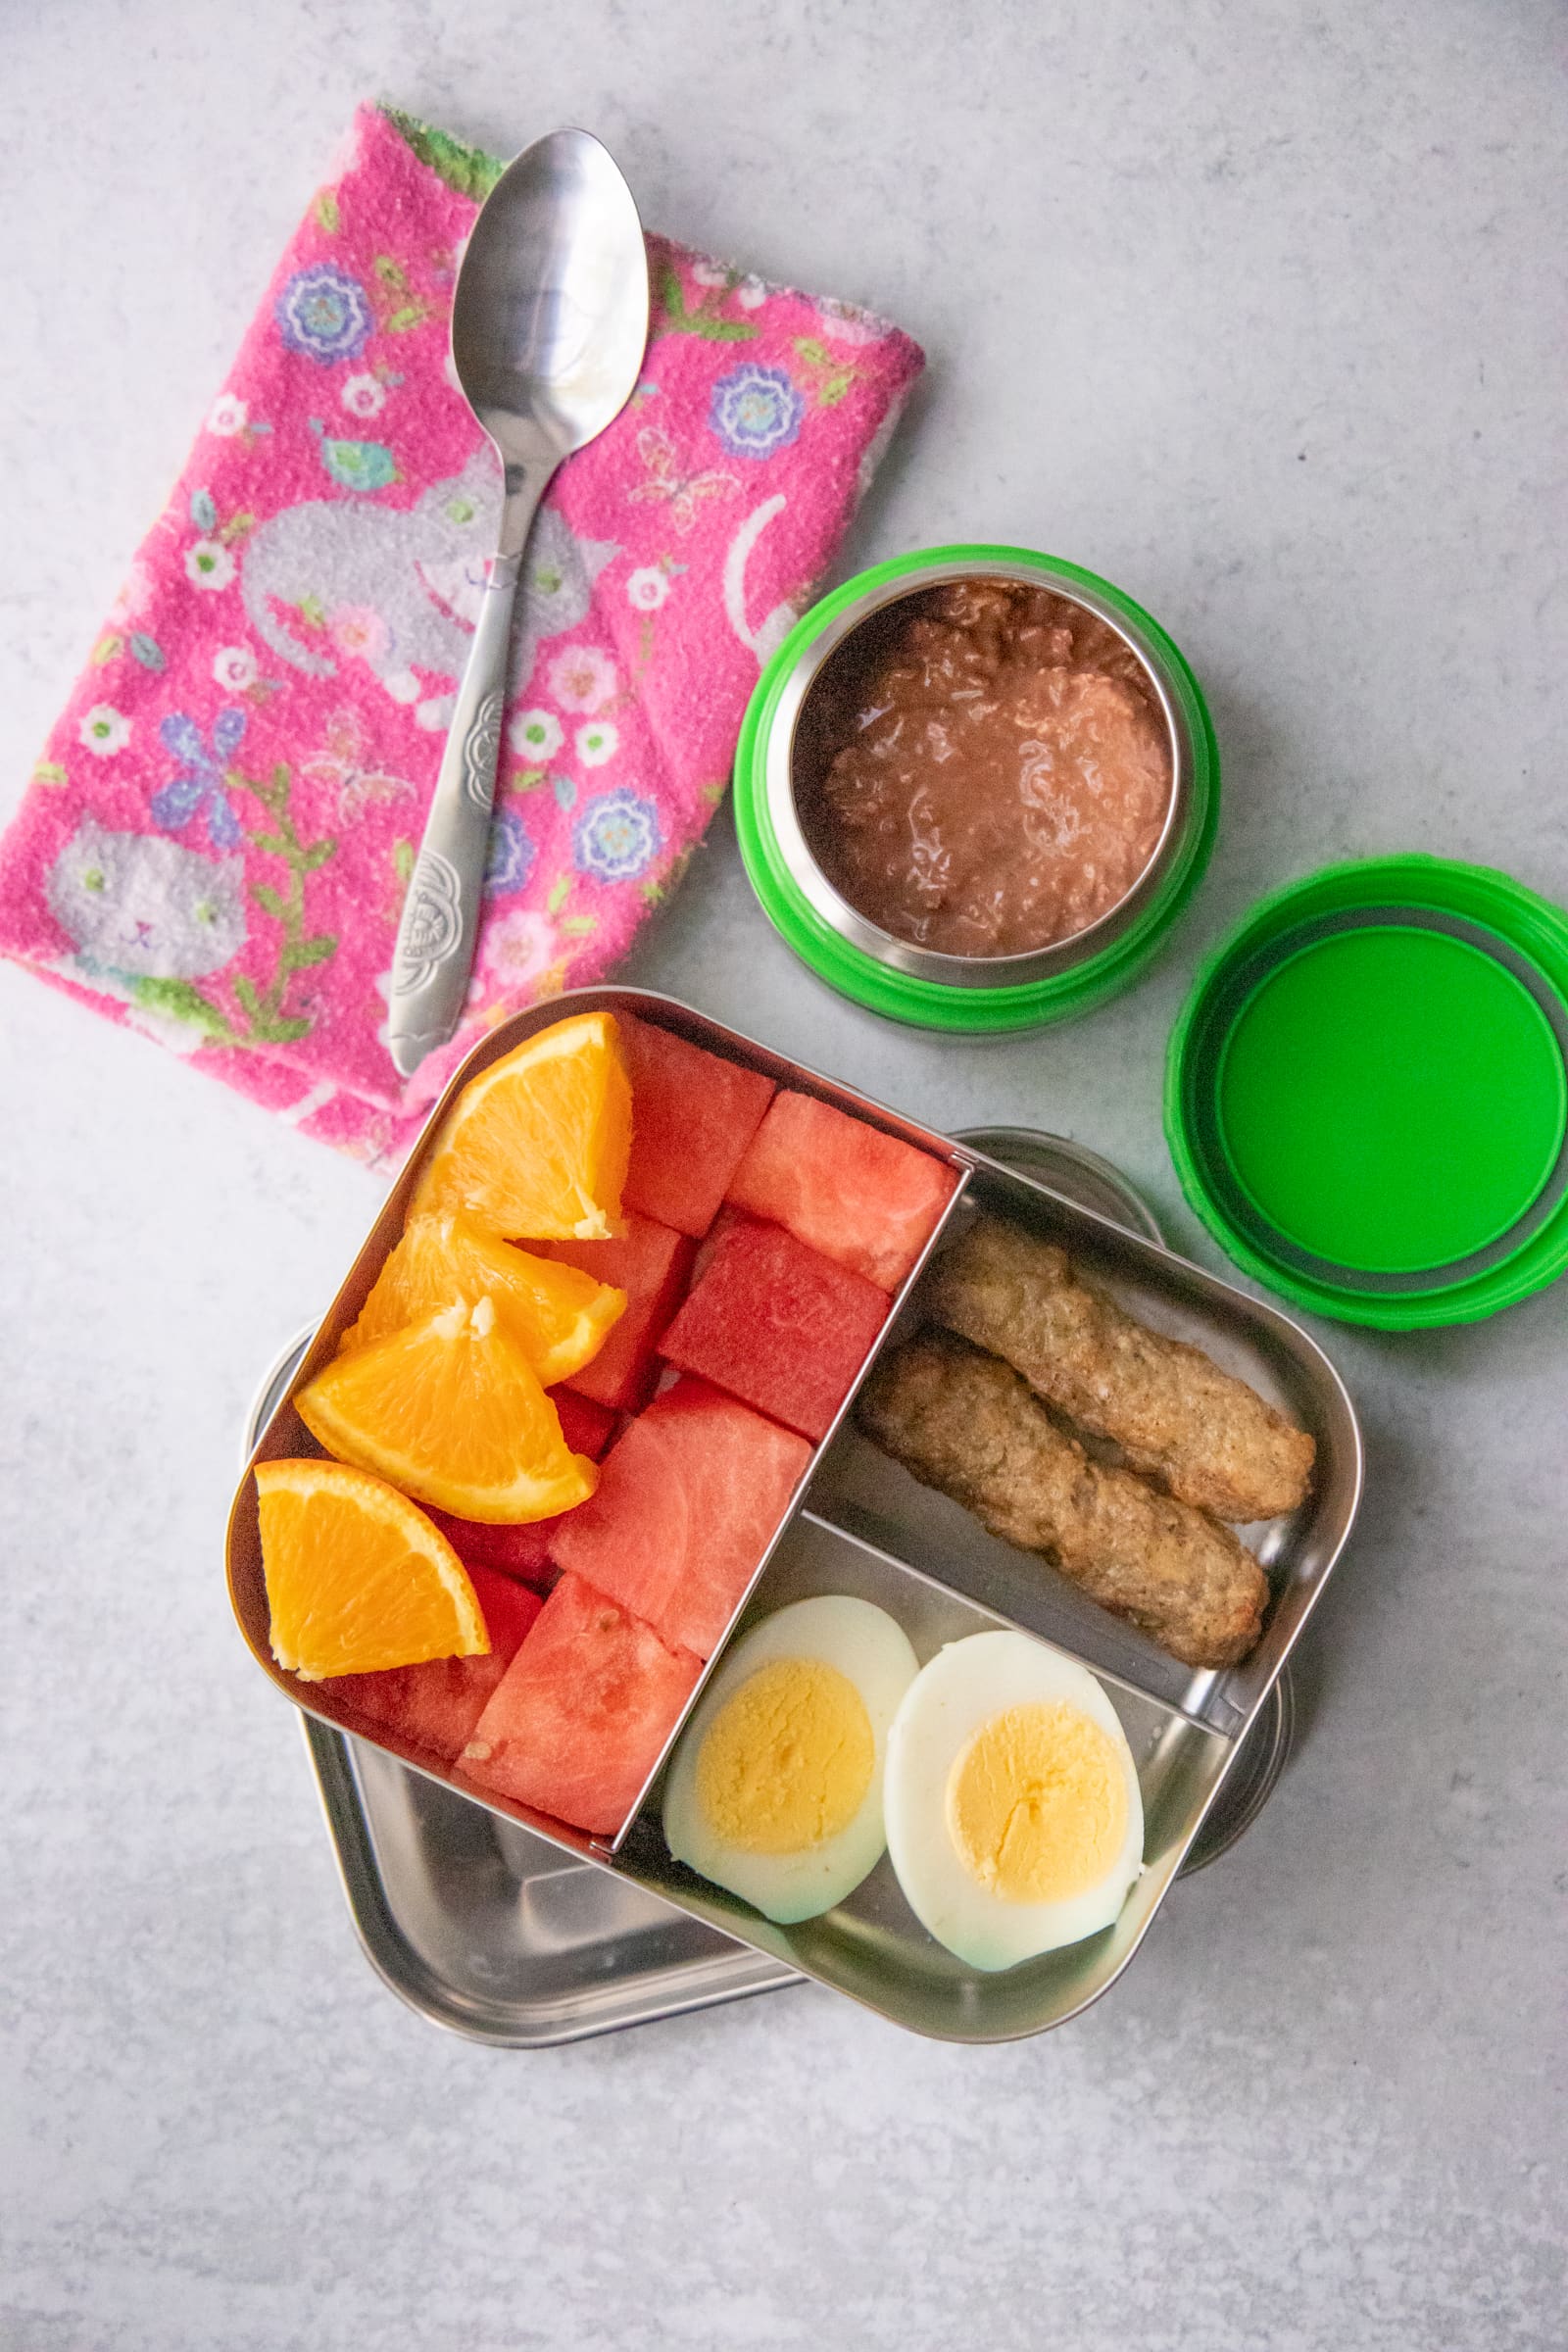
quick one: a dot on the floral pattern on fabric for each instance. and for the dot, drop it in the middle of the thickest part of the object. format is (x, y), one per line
(221, 829)
(325, 315)
(198, 787)
(511, 859)
(756, 411)
(105, 730)
(616, 837)
(535, 734)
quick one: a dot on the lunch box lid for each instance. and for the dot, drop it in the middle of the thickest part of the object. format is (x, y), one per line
(973, 1010)
(1366, 1093)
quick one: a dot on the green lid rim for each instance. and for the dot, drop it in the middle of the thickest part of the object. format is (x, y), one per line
(1534, 932)
(932, 1003)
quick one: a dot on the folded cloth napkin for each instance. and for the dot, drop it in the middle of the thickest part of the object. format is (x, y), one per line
(215, 845)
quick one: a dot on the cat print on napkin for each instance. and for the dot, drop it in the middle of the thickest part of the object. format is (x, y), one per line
(215, 845)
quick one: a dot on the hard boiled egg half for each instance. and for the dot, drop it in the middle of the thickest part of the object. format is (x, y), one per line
(1013, 1816)
(775, 1790)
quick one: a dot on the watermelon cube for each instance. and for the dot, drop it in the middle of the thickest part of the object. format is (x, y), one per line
(436, 1705)
(511, 1550)
(577, 1724)
(859, 1196)
(693, 1115)
(778, 1325)
(688, 1501)
(584, 1425)
(525, 1550)
(651, 1263)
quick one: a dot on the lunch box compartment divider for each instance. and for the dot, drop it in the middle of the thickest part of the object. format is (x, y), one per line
(934, 1144)
(856, 1486)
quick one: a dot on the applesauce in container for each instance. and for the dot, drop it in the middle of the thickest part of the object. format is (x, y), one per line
(975, 788)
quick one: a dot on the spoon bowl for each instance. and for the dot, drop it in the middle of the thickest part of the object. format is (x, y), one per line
(549, 318)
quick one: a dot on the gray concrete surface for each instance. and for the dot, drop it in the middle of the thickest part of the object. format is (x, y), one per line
(1256, 309)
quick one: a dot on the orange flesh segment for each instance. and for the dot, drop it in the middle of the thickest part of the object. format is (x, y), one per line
(452, 1412)
(536, 1147)
(558, 1315)
(357, 1580)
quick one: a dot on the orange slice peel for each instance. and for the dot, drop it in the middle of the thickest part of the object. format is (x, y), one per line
(358, 1579)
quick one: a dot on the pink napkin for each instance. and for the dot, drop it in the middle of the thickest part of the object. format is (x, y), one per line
(216, 844)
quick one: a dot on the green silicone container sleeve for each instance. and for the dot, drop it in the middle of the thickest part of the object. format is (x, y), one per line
(928, 1003)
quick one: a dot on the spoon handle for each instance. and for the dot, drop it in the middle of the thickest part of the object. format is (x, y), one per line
(441, 913)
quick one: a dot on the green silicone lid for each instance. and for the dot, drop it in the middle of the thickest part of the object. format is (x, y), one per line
(1367, 1091)
(1391, 1098)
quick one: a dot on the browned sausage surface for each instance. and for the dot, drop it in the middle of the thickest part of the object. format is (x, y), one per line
(960, 1421)
(1202, 1434)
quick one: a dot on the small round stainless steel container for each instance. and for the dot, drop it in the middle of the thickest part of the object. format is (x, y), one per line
(967, 994)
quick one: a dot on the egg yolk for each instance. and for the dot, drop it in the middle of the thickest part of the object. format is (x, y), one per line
(789, 1759)
(1036, 1805)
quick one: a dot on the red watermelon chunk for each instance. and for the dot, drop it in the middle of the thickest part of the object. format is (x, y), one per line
(585, 1425)
(693, 1115)
(577, 1723)
(436, 1705)
(525, 1550)
(776, 1324)
(690, 1497)
(651, 1263)
(516, 1551)
(860, 1196)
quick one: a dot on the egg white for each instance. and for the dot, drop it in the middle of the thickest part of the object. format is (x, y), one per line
(962, 1688)
(870, 1651)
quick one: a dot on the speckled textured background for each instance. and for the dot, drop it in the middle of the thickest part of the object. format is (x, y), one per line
(1258, 310)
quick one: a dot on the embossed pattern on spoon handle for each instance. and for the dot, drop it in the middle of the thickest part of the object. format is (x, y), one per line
(440, 921)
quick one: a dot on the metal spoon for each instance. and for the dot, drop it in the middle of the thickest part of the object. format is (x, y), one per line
(549, 326)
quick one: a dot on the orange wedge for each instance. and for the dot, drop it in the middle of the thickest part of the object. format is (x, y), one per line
(535, 1148)
(357, 1578)
(451, 1410)
(557, 1314)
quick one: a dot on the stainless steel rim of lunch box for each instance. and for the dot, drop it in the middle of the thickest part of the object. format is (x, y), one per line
(720, 1970)
(1057, 1161)
(899, 954)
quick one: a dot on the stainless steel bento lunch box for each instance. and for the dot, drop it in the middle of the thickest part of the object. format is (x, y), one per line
(492, 1933)
(860, 1525)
